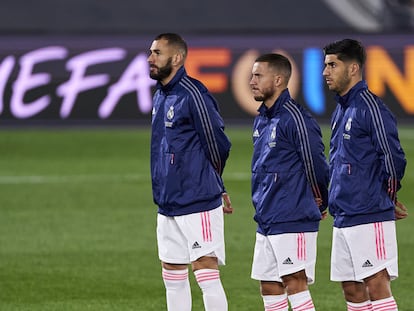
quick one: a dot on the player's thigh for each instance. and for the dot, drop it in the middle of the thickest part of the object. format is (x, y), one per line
(204, 233)
(361, 251)
(342, 268)
(172, 244)
(296, 252)
(284, 254)
(373, 248)
(264, 266)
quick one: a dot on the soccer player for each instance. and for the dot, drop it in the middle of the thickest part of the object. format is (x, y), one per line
(367, 164)
(189, 150)
(289, 189)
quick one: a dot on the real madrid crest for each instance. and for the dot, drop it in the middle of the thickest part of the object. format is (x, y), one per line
(273, 134)
(348, 125)
(170, 113)
(272, 142)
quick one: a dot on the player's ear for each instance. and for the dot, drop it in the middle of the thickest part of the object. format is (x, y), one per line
(177, 59)
(355, 68)
(278, 80)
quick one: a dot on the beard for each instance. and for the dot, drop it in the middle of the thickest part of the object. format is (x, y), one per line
(162, 72)
(266, 94)
(341, 85)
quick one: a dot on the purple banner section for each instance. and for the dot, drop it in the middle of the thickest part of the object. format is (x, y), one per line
(104, 80)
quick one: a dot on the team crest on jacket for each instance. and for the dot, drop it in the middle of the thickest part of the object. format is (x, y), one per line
(170, 113)
(273, 135)
(272, 142)
(347, 129)
(348, 125)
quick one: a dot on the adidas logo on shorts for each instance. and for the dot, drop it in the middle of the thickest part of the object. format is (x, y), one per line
(367, 264)
(196, 245)
(287, 261)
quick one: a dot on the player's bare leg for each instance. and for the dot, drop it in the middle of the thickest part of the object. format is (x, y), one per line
(356, 295)
(274, 296)
(296, 285)
(379, 290)
(295, 282)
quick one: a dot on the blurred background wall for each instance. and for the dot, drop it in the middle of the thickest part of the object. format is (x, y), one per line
(84, 61)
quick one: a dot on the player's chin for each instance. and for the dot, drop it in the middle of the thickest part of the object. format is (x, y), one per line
(153, 72)
(258, 98)
(332, 87)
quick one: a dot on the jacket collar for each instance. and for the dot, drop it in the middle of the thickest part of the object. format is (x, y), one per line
(345, 100)
(271, 112)
(174, 81)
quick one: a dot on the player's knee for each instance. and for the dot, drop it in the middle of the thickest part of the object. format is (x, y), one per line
(205, 262)
(295, 282)
(271, 288)
(379, 286)
(170, 266)
(355, 291)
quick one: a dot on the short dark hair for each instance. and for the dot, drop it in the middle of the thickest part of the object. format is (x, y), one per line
(175, 40)
(278, 62)
(346, 50)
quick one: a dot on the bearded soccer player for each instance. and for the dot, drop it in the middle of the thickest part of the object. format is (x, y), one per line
(289, 189)
(367, 164)
(189, 150)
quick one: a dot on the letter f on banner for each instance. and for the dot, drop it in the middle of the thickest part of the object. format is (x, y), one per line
(78, 82)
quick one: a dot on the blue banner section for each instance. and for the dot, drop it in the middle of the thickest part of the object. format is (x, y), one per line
(313, 88)
(104, 79)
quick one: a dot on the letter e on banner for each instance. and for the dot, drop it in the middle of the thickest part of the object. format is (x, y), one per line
(27, 80)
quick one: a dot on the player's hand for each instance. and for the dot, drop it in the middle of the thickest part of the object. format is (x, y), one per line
(318, 202)
(400, 210)
(227, 208)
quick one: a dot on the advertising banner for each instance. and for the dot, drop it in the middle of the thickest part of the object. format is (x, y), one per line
(104, 80)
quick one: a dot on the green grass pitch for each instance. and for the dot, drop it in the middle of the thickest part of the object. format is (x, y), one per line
(77, 225)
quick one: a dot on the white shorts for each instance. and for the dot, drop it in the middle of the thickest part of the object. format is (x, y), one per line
(184, 239)
(283, 254)
(361, 251)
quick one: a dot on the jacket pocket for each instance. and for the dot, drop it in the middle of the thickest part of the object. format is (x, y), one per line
(191, 178)
(355, 189)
